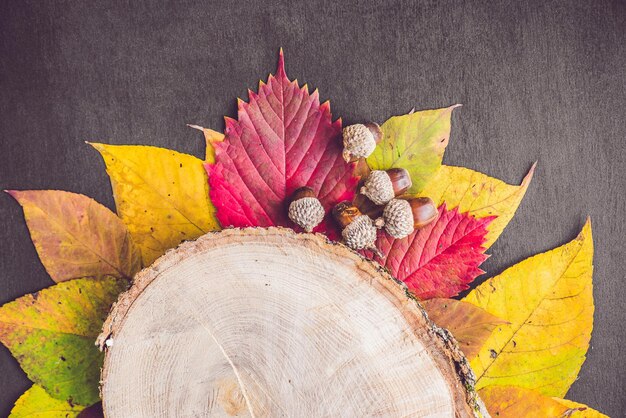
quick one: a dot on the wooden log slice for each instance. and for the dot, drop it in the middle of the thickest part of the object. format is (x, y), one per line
(268, 323)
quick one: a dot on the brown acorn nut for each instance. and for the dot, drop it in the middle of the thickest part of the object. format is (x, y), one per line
(345, 213)
(424, 211)
(359, 140)
(367, 207)
(305, 210)
(358, 230)
(382, 186)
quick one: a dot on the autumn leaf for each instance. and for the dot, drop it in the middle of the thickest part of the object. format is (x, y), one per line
(578, 410)
(439, 260)
(77, 237)
(479, 195)
(160, 194)
(514, 402)
(469, 324)
(283, 140)
(548, 301)
(416, 142)
(51, 333)
(36, 402)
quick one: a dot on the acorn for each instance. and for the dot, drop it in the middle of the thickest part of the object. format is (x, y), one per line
(358, 230)
(401, 217)
(382, 186)
(367, 207)
(359, 140)
(305, 209)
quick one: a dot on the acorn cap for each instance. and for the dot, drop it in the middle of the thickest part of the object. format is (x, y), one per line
(378, 187)
(398, 218)
(359, 140)
(360, 234)
(306, 212)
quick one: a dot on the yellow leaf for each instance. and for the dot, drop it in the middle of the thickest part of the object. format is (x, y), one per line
(578, 410)
(210, 136)
(161, 195)
(478, 194)
(469, 324)
(548, 301)
(36, 402)
(514, 402)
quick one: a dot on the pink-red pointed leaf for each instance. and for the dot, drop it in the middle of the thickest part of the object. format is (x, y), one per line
(441, 259)
(283, 139)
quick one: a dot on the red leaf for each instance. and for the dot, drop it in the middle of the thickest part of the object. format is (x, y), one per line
(440, 260)
(283, 139)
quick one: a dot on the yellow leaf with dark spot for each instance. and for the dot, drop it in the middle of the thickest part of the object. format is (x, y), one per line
(161, 195)
(548, 301)
(36, 402)
(469, 324)
(478, 194)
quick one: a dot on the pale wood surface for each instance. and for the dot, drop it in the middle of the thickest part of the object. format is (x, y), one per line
(269, 323)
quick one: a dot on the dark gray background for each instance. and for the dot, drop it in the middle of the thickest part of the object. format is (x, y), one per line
(539, 80)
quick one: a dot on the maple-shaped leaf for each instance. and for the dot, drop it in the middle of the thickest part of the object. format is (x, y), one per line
(439, 260)
(469, 324)
(283, 139)
(75, 236)
(36, 402)
(547, 301)
(52, 335)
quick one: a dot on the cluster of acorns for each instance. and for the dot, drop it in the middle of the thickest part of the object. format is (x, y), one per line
(378, 205)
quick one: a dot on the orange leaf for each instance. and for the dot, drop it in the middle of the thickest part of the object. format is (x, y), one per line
(514, 402)
(469, 324)
(76, 236)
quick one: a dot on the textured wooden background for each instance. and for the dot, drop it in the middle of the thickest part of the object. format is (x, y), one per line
(539, 80)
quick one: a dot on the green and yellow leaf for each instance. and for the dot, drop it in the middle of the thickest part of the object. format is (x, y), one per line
(36, 402)
(478, 194)
(416, 142)
(548, 301)
(52, 335)
(160, 194)
(469, 324)
(77, 237)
